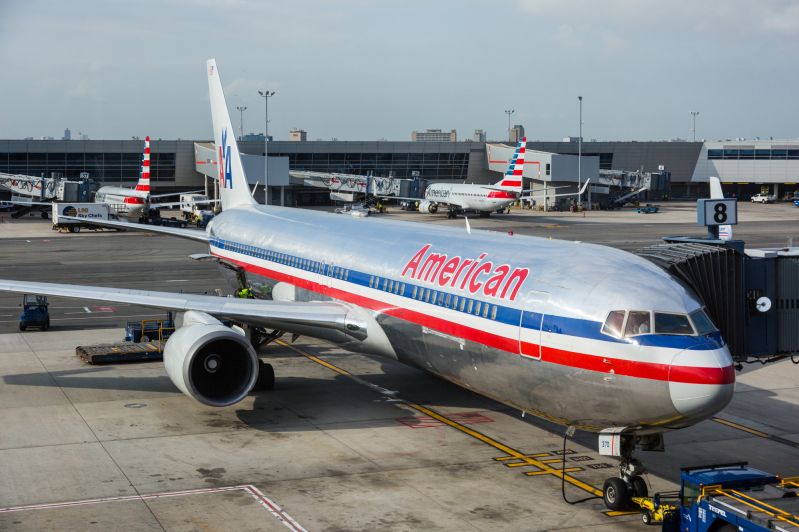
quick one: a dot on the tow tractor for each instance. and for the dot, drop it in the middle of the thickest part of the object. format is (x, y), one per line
(35, 312)
(724, 498)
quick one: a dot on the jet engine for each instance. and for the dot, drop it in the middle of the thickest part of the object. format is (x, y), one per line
(428, 206)
(214, 364)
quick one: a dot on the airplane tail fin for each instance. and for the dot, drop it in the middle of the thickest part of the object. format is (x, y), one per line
(513, 176)
(233, 188)
(144, 177)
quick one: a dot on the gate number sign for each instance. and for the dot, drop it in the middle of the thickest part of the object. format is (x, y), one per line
(717, 211)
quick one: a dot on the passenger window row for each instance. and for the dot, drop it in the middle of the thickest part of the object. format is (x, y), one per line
(434, 297)
(336, 272)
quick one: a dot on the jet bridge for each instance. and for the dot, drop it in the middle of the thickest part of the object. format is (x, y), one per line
(751, 295)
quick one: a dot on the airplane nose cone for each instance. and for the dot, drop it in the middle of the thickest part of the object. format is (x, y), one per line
(701, 383)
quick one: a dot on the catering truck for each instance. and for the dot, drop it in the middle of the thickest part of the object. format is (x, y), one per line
(67, 216)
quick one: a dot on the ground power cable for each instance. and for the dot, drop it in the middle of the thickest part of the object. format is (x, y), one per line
(569, 432)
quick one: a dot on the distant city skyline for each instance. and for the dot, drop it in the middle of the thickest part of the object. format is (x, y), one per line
(115, 70)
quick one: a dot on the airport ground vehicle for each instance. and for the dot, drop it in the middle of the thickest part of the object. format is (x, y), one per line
(726, 497)
(146, 330)
(647, 209)
(87, 211)
(762, 198)
(796, 202)
(35, 312)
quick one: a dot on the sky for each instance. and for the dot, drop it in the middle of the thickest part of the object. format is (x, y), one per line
(369, 70)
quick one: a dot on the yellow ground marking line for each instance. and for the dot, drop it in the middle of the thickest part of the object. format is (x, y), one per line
(734, 425)
(511, 452)
(617, 513)
(534, 455)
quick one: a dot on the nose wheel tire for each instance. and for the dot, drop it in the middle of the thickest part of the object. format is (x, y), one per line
(266, 377)
(639, 487)
(616, 494)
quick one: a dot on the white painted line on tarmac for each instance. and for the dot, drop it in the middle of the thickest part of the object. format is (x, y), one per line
(276, 511)
(178, 281)
(87, 310)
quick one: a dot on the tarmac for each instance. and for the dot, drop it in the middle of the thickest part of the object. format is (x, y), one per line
(344, 441)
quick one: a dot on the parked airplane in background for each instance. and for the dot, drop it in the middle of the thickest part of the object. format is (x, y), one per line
(581, 334)
(134, 202)
(482, 199)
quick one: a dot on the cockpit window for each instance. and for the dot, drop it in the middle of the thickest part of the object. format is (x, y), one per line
(638, 322)
(672, 324)
(613, 323)
(702, 322)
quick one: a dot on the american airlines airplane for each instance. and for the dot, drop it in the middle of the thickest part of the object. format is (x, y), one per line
(482, 199)
(580, 334)
(133, 202)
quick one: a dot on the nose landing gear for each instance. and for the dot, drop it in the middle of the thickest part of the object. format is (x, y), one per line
(618, 492)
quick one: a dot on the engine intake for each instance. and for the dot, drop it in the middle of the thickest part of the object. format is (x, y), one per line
(211, 363)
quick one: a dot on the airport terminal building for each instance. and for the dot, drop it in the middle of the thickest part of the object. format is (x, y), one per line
(745, 167)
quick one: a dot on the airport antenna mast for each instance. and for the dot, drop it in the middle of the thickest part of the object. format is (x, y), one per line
(509, 112)
(580, 157)
(694, 115)
(241, 110)
(266, 95)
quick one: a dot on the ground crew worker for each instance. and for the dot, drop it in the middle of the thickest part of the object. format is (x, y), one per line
(245, 293)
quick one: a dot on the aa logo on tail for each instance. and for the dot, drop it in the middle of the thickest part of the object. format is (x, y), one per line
(225, 171)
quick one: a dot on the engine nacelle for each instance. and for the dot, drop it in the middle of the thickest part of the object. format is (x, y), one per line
(209, 362)
(428, 206)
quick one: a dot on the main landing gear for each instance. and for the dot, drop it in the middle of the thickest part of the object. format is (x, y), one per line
(266, 377)
(619, 491)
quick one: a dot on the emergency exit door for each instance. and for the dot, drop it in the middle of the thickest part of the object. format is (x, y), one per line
(530, 322)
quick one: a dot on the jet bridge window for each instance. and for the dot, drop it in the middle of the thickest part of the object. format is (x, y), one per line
(638, 322)
(672, 324)
(614, 323)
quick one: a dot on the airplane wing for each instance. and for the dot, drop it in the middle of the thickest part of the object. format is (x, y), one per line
(191, 234)
(178, 203)
(23, 203)
(582, 191)
(176, 193)
(283, 315)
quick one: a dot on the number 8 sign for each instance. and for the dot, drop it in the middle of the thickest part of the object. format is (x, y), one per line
(717, 211)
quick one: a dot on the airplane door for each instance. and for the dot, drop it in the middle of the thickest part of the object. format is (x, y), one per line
(530, 322)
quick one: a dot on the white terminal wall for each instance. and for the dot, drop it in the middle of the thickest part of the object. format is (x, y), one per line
(747, 170)
(562, 168)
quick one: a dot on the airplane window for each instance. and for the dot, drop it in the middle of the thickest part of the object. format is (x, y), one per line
(638, 322)
(469, 307)
(448, 300)
(613, 323)
(702, 322)
(455, 302)
(477, 305)
(485, 311)
(391, 286)
(427, 295)
(494, 312)
(440, 298)
(402, 288)
(385, 284)
(413, 295)
(371, 281)
(672, 324)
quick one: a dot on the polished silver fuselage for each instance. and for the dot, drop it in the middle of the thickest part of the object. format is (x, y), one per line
(533, 341)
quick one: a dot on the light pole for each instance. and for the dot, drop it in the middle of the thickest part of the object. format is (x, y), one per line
(580, 156)
(509, 112)
(694, 114)
(241, 110)
(266, 95)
